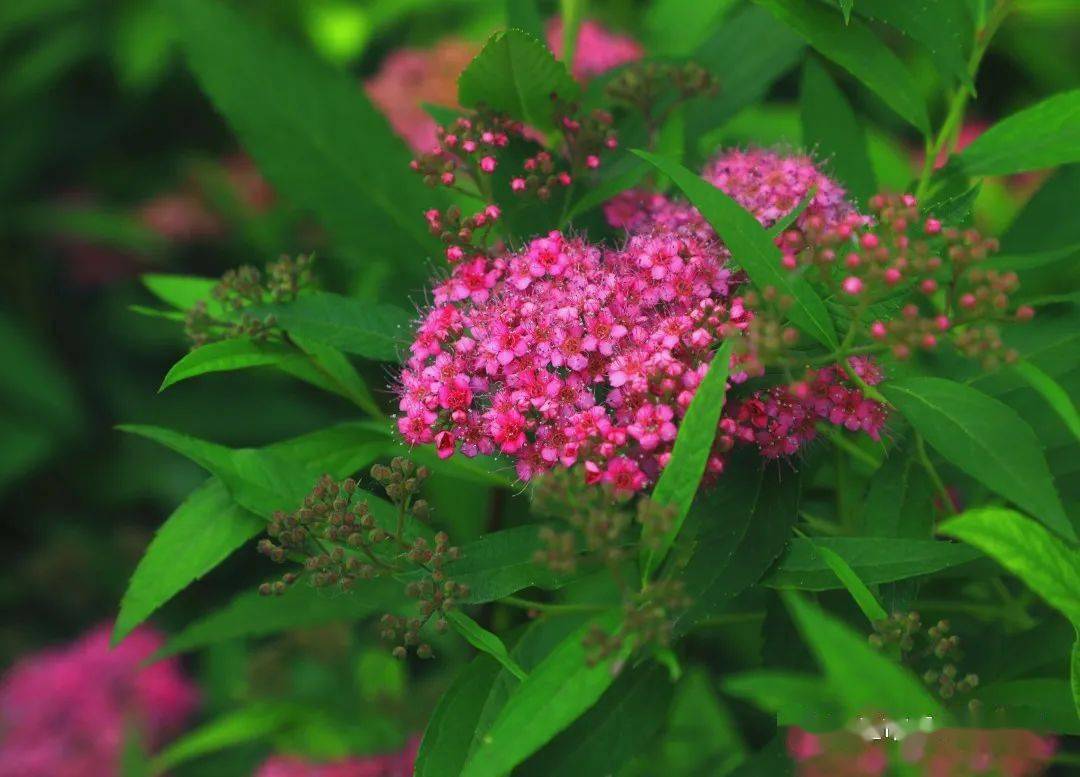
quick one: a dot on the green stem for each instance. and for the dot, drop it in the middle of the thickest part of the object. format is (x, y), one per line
(935, 478)
(572, 12)
(958, 104)
(554, 609)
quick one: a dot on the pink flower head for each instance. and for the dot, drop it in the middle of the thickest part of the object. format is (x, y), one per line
(399, 764)
(598, 49)
(64, 712)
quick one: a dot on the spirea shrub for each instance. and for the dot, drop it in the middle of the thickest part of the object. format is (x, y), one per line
(709, 415)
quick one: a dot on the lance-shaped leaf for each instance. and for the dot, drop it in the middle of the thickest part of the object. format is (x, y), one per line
(517, 74)
(874, 559)
(313, 133)
(1045, 135)
(862, 595)
(556, 693)
(483, 640)
(986, 439)
(449, 732)
(681, 477)
(751, 247)
(856, 49)
(1052, 392)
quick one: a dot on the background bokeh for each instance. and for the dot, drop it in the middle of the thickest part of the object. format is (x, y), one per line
(113, 163)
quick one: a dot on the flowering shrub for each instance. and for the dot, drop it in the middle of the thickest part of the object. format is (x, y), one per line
(679, 426)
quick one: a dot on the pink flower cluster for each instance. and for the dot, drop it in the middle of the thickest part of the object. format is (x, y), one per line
(399, 764)
(410, 77)
(566, 352)
(768, 184)
(782, 419)
(64, 712)
(950, 752)
(598, 49)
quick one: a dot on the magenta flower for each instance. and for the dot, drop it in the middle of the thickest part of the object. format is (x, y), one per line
(598, 49)
(64, 712)
(400, 764)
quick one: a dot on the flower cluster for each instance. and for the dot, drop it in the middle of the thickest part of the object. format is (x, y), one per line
(65, 712)
(948, 752)
(400, 764)
(933, 652)
(598, 49)
(240, 292)
(408, 78)
(339, 540)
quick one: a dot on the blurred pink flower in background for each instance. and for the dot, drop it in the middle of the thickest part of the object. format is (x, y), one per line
(598, 49)
(64, 712)
(398, 764)
(410, 77)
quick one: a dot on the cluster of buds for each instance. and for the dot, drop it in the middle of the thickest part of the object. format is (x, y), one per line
(465, 237)
(337, 541)
(898, 250)
(933, 652)
(605, 523)
(654, 89)
(648, 618)
(239, 292)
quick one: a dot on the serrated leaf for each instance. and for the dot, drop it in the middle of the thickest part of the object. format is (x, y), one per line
(313, 134)
(374, 331)
(856, 49)
(751, 247)
(483, 640)
(874, 559)
(1052, 392)
(1044, 563)
(210, 525)
(986, 439)
(736, 530)
(1045, 135)
(517, 74)
(557, 692)
(864, 680)
(680, 479)
(301, 606)
(831, 129)
(622, 723)
(525, 16)
(942, 26)
(449, 731)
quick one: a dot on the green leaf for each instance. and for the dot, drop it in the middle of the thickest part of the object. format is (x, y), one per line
(1044, 224)
(845, 7)
(675, 28)
(736, 530)
(796, 699)
(1045, 564)
(618, 176)
(874, 559)
(1044, 704)
(1052, 392)
(784, 222)
(1044, 135)
(899, 500)
(228, 355)
(313, 134)
(449, 731)
(199, 535)
(210, 525)
(751, 247)
(864, 680)
(942, 26)
(748, 53)
(181, 291)
(483, 640)
(830, 127)
(332, 367)
(701, 733)
(862, 595)
(301, 606)
(1074, 672)
(502, 563)
(679, 482)
(986, 439)
(517, 74)
(557, 692)
(249, 724)
(374, 331)
(524, 15)
(856, 49)
(1031, 260)
(570, 12)
(622, 723)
